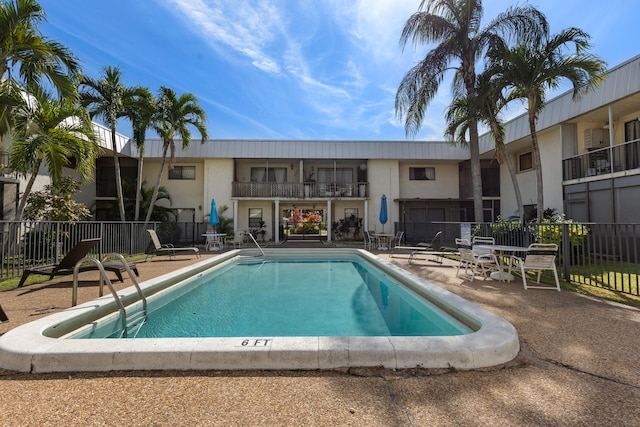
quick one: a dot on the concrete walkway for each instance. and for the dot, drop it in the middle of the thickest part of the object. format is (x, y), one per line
(578, 365)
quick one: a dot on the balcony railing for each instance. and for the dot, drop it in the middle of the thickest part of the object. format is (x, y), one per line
(299, 190)
(598, 162)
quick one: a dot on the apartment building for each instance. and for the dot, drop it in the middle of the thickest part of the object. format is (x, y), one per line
(590, 165)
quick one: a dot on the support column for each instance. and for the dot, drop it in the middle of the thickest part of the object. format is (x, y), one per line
(235, 216)
(276, 237)
(328, 220)
(365, 218)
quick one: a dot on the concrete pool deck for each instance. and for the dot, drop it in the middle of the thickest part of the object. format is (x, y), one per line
(578, 365)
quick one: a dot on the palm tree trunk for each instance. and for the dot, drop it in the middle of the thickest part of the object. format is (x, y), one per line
(537, 163)
(476, 171)
(157, 186)
(510, 166)
(139, 187)
(116, 164)
(27, 191)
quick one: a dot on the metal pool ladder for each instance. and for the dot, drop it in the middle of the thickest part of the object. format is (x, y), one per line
(256, 243)
(137, 319)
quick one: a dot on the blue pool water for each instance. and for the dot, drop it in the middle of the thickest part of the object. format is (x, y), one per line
(279, 297)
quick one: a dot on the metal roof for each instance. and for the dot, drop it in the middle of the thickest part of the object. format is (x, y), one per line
(621, 82)
(311, 149)
(104, 139)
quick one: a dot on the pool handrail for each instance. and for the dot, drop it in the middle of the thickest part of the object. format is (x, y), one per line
(105, 277)
(256, 242)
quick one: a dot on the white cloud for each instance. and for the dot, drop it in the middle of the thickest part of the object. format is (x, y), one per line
(375, 25)
(245, 27)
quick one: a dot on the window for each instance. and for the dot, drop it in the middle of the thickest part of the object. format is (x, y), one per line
(338, 175)
(632, 130)
(422, 174)
(525, 161)
(268, 174)
(182, 172)
(255, 218)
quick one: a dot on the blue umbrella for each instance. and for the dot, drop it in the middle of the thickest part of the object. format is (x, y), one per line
(213, 216)
(383, 211)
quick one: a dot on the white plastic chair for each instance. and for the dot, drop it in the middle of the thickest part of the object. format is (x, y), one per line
(540, 257)
(234, 241)
(474, 261)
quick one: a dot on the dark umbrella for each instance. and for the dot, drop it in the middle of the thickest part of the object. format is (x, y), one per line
(213, 216)
(383, 211)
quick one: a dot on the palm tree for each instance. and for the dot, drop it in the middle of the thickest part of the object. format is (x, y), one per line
(175, 117)
(160, 213)
(140, 111)
(26, 57)
(107, 99)
(57, 133)
(455, 26)
(530, 69)
(489, 102)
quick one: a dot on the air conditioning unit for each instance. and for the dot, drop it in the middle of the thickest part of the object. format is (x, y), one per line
(596, 138)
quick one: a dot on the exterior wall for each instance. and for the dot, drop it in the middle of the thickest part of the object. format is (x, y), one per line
(267, 215)
(383, 179)
(217, 176)
(445, 186)
(185, 194)
(551, 158)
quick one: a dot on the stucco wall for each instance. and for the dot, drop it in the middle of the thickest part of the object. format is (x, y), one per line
(443, 187)
(383, 179)
(185, 193)
(551, 158)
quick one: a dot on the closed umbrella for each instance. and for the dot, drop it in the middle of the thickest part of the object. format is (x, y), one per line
(213, 216)
(383, 211)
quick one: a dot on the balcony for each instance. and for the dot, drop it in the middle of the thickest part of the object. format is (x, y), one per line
(299, 190)
(598, 162)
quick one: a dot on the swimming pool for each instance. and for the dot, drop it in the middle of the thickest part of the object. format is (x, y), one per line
(480, 338)
(279, 296)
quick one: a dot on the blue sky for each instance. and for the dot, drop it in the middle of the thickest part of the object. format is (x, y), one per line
(292, 69)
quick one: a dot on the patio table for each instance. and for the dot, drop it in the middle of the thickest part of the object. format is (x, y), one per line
(214, 241)
(384, 240)
(502, 251)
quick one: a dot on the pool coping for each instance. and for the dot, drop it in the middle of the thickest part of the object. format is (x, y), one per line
(27, 348)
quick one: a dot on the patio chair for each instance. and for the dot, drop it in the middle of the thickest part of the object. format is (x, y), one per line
(474, 261)
(484, 241)
(430, 246)
(236, 241)
(370, 240)
(66, 266)
(397, 240)
(540, 257)
(169, 249)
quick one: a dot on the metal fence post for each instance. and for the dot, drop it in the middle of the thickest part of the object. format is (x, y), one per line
(566, 250)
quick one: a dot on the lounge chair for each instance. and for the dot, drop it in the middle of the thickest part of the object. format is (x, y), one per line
(420, 247)
(169, 249)
(66, 266)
